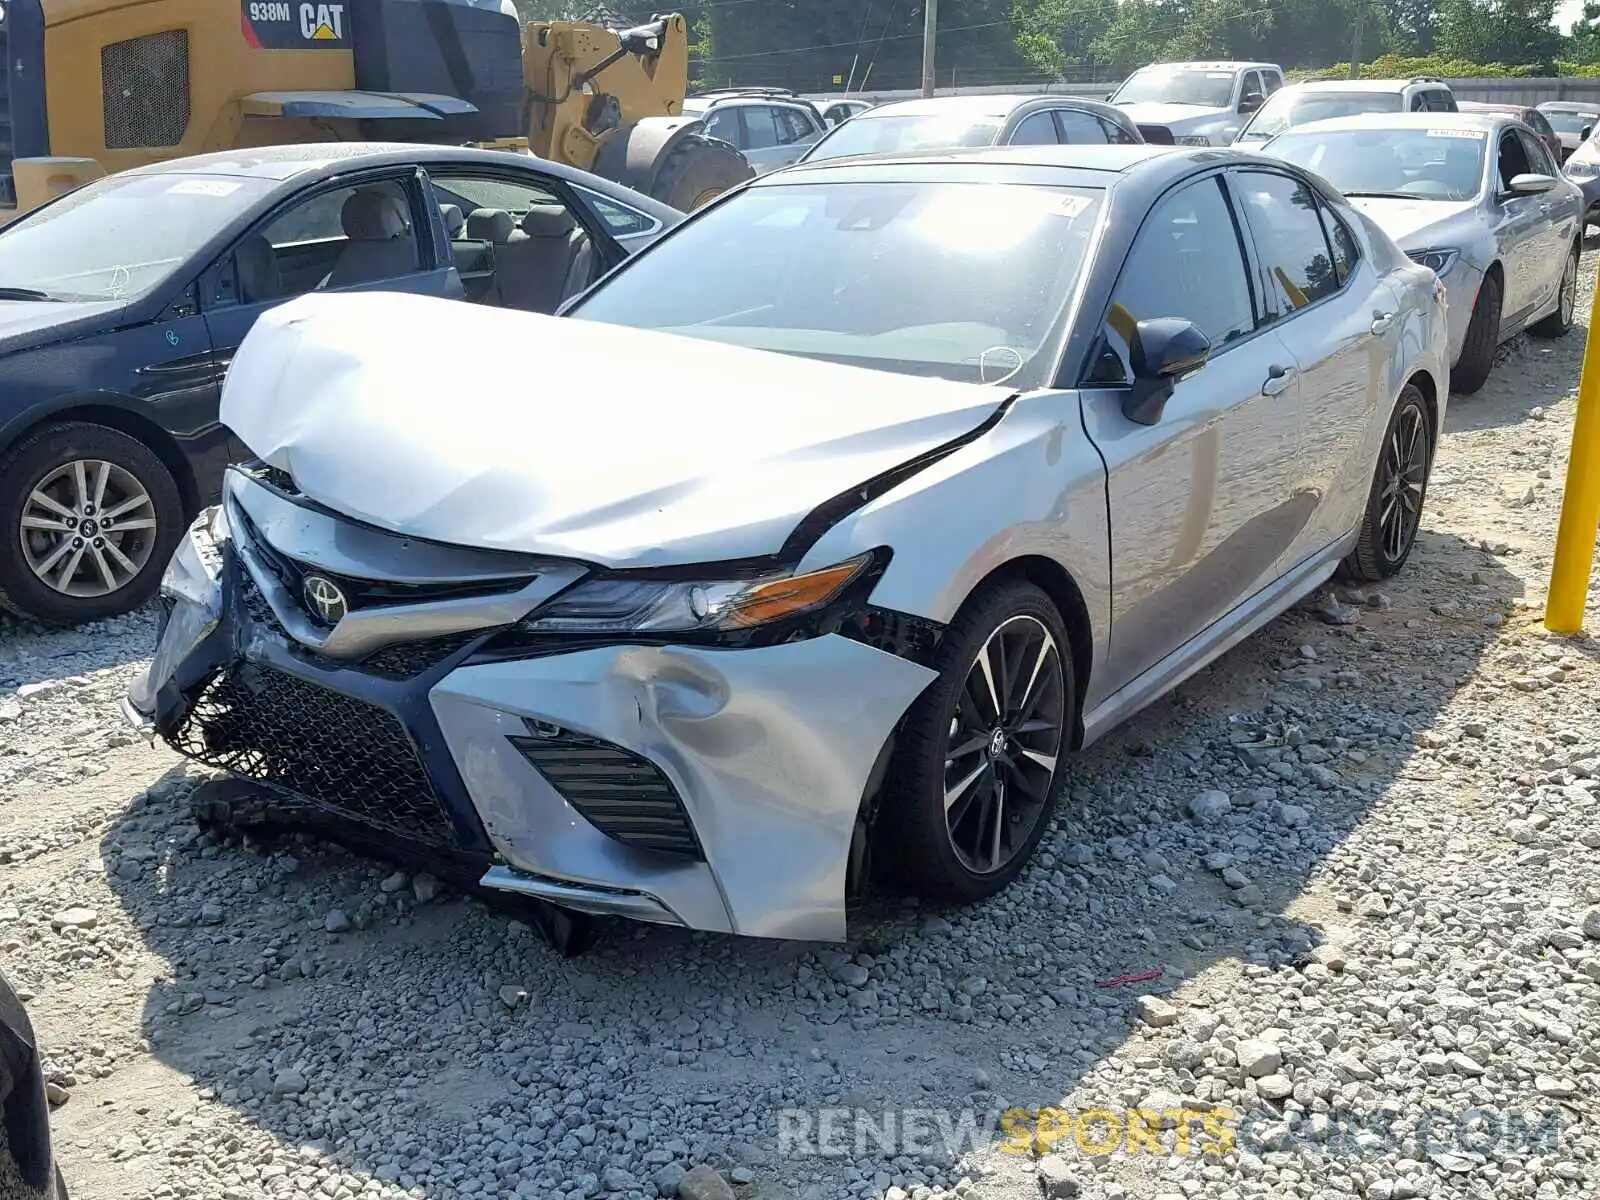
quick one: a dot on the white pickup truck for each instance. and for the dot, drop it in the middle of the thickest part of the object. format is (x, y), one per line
(1203, 103)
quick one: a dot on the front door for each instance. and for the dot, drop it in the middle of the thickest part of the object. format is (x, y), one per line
(1202, 503)
(1340, 324)
(1520, 231)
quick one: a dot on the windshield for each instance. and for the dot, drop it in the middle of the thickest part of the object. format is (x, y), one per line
(1570, 122)
(119, 237)
(963, 281)
(1289, 107)
(1411, 164)
(890, 135)
(1165, 85)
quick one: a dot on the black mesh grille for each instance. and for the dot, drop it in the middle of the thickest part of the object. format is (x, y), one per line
(338, 752)
(622, 795)
(144, 84)
(413, 658)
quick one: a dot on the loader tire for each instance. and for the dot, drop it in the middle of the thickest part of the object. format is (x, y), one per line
(697, 170)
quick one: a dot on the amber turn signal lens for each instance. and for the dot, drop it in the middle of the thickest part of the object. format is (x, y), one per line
(781, 598)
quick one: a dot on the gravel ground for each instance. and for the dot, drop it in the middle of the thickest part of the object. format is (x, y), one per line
(1375, 926)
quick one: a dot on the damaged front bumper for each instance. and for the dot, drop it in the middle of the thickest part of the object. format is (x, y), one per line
(713, 788)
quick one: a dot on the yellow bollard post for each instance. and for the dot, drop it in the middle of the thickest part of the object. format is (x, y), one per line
(1580, 502)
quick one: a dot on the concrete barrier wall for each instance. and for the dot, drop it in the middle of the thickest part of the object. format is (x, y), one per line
(1504, 91)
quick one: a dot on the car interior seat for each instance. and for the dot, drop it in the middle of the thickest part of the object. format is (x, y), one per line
(455, 223)
(499, 229)
(259, 276)
(551, 261)
(381, 245)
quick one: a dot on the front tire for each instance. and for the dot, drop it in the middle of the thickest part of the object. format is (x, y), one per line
(973, 782)
(697, 170)
(1558, 322)
(1471, 371)
(1399, 486)
(88, 519)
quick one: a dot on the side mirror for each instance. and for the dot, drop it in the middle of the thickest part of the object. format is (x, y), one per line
(1164, 351)
(1157, 135)
(1587, 130)
(1530, 185)
(1250, 101)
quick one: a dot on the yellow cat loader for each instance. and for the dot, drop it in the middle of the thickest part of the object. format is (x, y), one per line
(95, 86)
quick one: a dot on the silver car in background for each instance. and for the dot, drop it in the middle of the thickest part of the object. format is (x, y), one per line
(906, 478)
(1473, 196)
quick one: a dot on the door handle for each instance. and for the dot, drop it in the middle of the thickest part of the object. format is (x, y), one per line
(1382, 321)
(1277, 380)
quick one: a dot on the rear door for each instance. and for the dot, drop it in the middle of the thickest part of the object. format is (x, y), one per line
(1340, 323)
(1036, 129)
(1077, 128)
(1201, 502)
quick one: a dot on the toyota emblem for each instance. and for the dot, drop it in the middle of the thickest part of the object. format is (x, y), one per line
(324, 599)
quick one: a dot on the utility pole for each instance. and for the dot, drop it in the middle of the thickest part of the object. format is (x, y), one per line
(930, 33)
(1355, 44)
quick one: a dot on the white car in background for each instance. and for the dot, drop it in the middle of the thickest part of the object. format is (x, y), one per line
(1324, 99)
(1473, 196)
(1202, 103)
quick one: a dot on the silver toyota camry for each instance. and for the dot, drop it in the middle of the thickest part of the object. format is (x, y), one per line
(1475, 197)
(811, 544)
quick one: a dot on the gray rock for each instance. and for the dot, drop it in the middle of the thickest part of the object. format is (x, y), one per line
(1057, 1178)
(75, 918)
(1275, 1087)
(288, 1083)
(1210, 806)
(667, 1179)
(1155, 1012)
(1591, 924)
(392, 883)
(1258, 1058)
(1372, 906)
(425, 888)
(1293, 816)
(702, 1183)
(337, 922)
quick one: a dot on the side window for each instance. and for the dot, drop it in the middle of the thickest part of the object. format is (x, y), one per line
(1116, 134)
(1537, 155)
(1345, 251)
(471, 194)
(1513, 159)
(1036, 129)
(1272, 80)
(1282, 214)
(724, 125)
(1252, 83)
(760, 126)
(1186, 262)
(793, 125)
(337, 238)
(1445, 101)
(1419, 101)
(1078, 128)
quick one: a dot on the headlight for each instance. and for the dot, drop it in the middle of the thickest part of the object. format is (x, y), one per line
(1191, 139)
(1437, 261)
(1582, 169)
(623, 606)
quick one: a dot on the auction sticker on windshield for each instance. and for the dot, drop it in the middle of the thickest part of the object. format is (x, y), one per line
(203, 187)
(1471, 135)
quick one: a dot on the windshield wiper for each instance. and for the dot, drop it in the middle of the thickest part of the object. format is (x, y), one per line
(21, 293)
(1386, 196)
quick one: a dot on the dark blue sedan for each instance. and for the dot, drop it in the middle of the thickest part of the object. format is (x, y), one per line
(122, 303)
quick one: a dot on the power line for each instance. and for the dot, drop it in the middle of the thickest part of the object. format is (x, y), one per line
(898, 37)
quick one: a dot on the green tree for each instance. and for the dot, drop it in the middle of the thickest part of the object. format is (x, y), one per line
(1513, 32)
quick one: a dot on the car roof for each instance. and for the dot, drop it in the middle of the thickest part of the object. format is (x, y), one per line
(1482, 122)
(979, 106)
(1576, 106)
(1209, 65)
(286, 165)
(1363, 85)
(1071, 166)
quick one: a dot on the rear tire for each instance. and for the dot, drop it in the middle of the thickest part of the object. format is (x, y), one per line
(1483, 338)
(121, 555)
(1001, 768)
(697, 170)
(1399, 487)
(1558, 322)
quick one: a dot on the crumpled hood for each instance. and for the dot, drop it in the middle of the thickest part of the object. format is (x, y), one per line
(1180, 118)
(506, 430)
(1419, 224)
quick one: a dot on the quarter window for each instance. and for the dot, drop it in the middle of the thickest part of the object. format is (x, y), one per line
(1283, 215)
(760, 127)
(1186, 262)
(1116, 134)
(724, 125)
(792, 126)
(1345, 252)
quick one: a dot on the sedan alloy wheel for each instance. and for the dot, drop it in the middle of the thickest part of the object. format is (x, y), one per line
(88, 528)
(1005, 737)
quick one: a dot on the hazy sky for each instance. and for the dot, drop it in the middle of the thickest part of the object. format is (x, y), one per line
(1568, 12)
